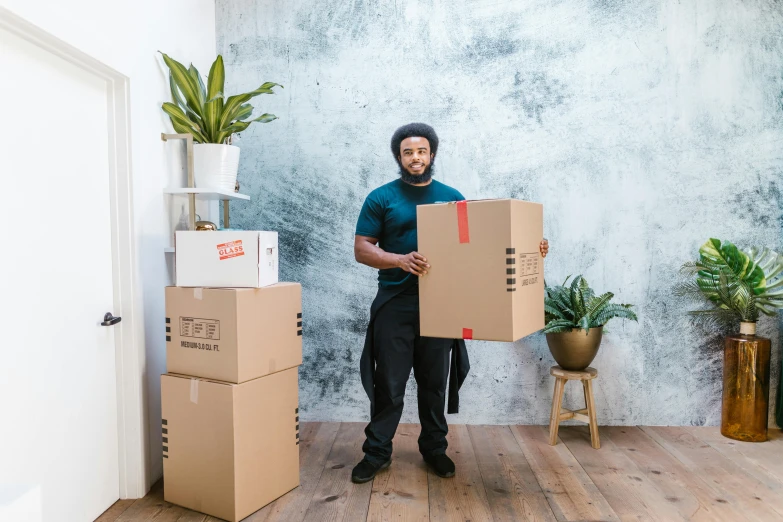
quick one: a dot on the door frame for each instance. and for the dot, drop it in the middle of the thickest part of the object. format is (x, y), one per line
(133, 438)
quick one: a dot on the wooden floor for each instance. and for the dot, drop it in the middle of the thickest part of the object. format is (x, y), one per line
(510, 473)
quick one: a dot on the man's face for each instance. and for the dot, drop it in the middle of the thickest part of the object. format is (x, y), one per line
(415, 156)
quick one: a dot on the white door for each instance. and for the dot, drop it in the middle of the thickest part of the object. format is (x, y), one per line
(58, 408)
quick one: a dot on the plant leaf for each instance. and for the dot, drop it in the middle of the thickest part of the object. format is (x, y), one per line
(614, 311)
(218, 96)
(213, 107)
(726, 254)
(181, 129)
(185, 83)
(598, 304)
(584, 323)
(233, 103)
(553, 311)
(196, 77)
(212, 111)
(244, 111)
(266, 118)
(180, 102)
(216, 79)
(237, 126)
(559, 300)
(179, 118)
(576, 300)
(558, 326)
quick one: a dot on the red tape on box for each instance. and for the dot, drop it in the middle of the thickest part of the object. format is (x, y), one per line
(467, 333)
(462, 222)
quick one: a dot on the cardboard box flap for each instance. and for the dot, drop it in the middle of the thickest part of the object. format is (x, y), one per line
(193, 378)
(470, 201)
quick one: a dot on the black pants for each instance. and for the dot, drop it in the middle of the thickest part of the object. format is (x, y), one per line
(398, 348)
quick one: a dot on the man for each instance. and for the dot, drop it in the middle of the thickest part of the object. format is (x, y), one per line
(386, 239)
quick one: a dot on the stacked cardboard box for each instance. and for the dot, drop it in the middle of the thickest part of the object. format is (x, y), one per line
(230, 413)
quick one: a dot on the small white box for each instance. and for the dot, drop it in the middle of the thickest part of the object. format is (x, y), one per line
(226, 258)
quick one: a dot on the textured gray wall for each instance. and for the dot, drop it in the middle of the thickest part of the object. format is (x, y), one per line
(643, 127)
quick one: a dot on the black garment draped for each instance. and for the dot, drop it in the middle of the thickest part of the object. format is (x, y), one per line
(459, 365)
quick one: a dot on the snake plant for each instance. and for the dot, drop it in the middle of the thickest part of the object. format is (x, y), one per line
(577, 307)
(203, 110)
(738, 285)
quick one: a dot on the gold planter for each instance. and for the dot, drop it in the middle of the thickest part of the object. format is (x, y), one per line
(746, 364)
(575, 350)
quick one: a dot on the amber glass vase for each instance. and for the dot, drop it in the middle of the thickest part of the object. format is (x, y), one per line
(746, 363)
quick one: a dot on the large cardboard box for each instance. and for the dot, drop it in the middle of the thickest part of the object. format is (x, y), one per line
(486, 279)
(226, 258)
(229, 449)
(233, 334)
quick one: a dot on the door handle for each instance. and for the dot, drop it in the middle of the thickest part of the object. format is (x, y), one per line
(110, 320)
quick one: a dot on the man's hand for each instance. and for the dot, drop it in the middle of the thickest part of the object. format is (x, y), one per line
(544, 247)
(414, 263)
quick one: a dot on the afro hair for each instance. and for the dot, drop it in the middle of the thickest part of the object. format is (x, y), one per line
(419, 130)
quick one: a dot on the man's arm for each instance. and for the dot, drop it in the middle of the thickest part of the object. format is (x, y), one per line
(367, 252)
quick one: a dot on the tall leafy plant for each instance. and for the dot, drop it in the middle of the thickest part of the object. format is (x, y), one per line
(577, 307)
(737, 285)
(203, 110)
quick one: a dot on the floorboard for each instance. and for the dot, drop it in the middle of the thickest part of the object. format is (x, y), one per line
(569, 490)
(751, 497)
(760, 459)
(336, 498)
(513, 493)
(114, 512)
(511, 473)
(401, 492)
(693, 494)
(627, 489)
(462, 497)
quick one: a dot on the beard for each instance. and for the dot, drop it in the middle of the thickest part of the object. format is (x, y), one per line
(415, 179)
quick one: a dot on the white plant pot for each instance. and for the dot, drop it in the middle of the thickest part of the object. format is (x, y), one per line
(215, 166)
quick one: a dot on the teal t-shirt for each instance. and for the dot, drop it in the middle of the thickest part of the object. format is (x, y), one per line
(389, 215)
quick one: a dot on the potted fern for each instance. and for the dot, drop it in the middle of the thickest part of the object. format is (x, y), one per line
(212, 119)
(736, 286)
(574, 318)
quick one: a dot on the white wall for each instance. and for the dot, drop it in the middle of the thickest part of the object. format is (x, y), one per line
(126, 36)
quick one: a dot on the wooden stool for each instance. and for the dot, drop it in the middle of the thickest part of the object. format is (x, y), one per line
(587, 414)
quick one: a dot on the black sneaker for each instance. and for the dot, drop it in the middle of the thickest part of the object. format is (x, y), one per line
(441, 464)
(365, 471)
